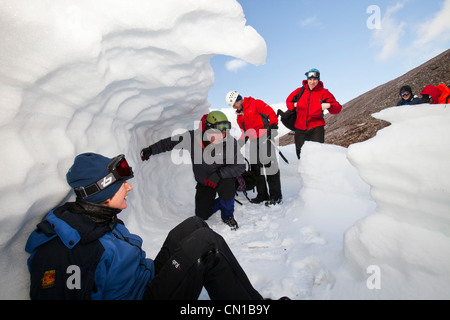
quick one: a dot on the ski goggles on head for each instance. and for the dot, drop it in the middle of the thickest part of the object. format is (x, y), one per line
(405, 93)
(118, 171)
(313, 74)
(222, 126)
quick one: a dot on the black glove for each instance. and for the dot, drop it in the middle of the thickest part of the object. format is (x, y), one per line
(213, 180)
(146, 153)
(241, 142)
(271, 132)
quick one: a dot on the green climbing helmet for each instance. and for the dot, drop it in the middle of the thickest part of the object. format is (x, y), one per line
(217, 120)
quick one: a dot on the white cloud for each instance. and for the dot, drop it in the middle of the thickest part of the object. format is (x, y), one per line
(435, 30)
(235, 64)
(310, 22)
(391, 31)
(430, 37)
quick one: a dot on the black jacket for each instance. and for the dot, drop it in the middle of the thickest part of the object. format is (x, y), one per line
(412, 100)
(224, 158)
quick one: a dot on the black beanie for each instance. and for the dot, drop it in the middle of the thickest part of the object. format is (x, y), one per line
(405, 88)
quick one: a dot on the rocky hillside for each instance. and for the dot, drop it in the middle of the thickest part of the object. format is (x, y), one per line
(355, 123)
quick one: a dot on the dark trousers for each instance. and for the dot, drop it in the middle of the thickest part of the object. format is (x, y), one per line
(192, 257)
(265, 166)
(204, 196)
(315, 134)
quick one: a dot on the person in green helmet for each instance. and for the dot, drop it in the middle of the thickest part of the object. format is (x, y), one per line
(216, 162)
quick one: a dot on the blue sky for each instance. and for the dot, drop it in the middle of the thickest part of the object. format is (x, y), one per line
(356, 44)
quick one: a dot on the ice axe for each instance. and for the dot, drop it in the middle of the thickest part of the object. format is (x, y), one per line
(278, 149)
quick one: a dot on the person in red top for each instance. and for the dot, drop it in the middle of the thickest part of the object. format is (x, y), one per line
(310, 106)
(430, 94)
(436, 95)
(259, 124)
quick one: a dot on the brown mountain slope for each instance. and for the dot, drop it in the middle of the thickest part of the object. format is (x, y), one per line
(355, 123)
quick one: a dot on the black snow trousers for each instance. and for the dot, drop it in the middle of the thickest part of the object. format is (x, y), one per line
(192, 257)
(264, 165)
(205, 196)
(315, 134)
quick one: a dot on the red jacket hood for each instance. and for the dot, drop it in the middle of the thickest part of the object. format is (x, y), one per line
(432, 91)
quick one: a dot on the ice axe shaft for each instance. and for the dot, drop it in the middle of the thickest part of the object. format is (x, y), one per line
(278, 149)
(283, 157)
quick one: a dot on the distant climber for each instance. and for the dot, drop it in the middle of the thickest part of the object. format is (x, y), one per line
(407, 97)
(444, 98)
(430, 94)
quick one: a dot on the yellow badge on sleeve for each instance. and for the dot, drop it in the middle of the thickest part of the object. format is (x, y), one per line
(48, 281)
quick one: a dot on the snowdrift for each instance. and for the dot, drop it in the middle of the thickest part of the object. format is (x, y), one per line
(409, 236)
(106, 76)
(112, 77)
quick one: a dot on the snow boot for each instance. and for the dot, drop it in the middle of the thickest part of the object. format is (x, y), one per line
(273, 202)
(227, 212)
(258, 200)
(231, 223)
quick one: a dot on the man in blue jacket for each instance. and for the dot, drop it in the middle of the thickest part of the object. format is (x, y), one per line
(81, 250)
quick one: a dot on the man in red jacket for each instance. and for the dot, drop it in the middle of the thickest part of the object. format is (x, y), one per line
(259, 124)
(310, 102)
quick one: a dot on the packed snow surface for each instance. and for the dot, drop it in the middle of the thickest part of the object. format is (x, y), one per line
(111, 77)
